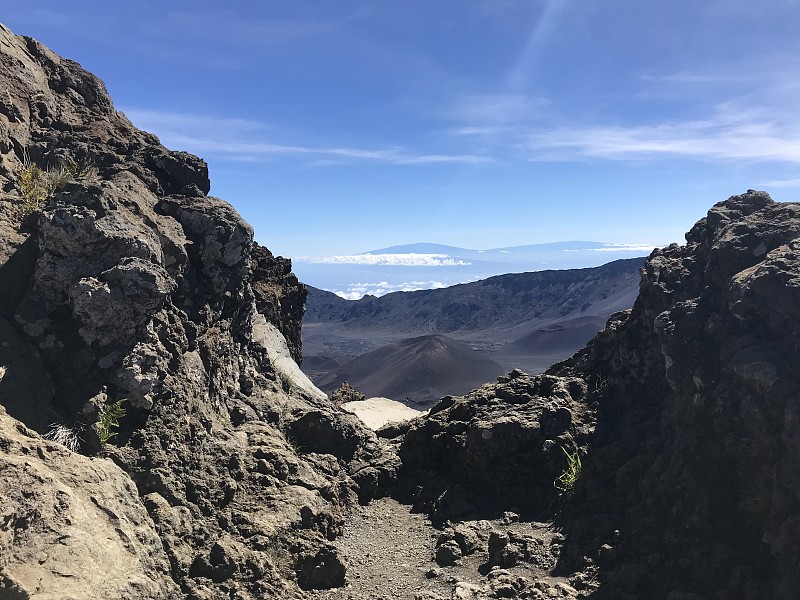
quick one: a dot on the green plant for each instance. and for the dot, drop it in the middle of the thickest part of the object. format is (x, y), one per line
(79, 168)
(109, 418)
(567, 480)
(36, 184)
(33, 186)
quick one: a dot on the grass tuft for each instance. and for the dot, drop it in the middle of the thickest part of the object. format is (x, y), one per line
(61, 434)
(566, 481)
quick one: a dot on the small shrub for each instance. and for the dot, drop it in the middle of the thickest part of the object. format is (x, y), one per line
(79, 169)
(37, 184)
(566, 481)
(33, 186)
(109, 418)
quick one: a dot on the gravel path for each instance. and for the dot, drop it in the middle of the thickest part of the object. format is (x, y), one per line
(389, 552)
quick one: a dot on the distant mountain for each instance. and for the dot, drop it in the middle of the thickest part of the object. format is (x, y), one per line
(417, 371)
(422, 248)
(428, 266)
(520, 320)
(503, 300)
(507, 253)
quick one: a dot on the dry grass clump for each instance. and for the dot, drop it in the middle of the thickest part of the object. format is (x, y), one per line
(37, 184)
(61, 434)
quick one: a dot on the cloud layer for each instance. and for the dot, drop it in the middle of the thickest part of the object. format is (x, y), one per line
(245, 140)
(355, 291)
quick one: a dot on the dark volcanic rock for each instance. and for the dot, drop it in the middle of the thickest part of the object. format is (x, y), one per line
(346, 393)
(698, 401)
(279, 296)
(129, 284)
(688, 486)
(499, 444)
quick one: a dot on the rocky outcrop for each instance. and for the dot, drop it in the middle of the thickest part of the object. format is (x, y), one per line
(129, 287)
(73, 527)
(279, 296)
(688, 488)
(346, 393)
(502, 445)
(684, 412)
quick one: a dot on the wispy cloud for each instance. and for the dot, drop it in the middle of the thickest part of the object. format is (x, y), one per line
(355, 291)
(697, 77)
(781, 183)
(541, 32)
(735, 130)
(244, 140)
(389, 260)
(711, 140)
(497, 108)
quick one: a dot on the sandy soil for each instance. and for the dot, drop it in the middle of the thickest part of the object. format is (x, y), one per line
(377, 412)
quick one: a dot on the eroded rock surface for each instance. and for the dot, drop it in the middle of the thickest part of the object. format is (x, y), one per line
(73, 527)
(684, 411)
(130, 283)
(690, 488)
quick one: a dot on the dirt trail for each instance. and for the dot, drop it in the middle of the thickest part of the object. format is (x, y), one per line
(390, 555)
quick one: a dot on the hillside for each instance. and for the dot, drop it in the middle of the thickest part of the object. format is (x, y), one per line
(417, 371)
(521, 320)
(500, 301)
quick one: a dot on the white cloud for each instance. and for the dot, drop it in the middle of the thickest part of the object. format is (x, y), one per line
(713, 139)
(355, 291)
(781, 183)
(389, 260)
(243, 140)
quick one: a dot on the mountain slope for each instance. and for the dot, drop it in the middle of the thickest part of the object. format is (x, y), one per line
(420, 370)
(521, 320)
(503, 300)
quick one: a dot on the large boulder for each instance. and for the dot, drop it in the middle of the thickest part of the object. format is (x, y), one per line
(73, 527)
(504, 444)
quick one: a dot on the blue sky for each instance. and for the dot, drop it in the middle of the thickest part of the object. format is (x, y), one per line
(340, 127)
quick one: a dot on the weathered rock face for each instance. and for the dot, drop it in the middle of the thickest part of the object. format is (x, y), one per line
(689, 485)
(503, 444)
(73, 527)
(132, 284)
(696, 453)
(279, 296)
